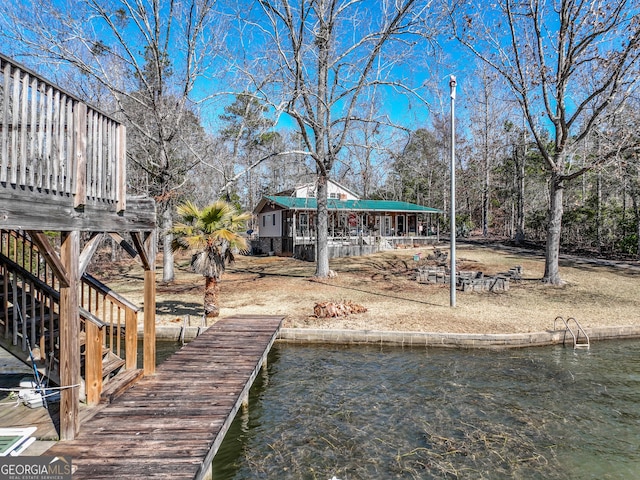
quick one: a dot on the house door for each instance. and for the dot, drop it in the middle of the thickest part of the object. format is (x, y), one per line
(386, 226)
(400, 225)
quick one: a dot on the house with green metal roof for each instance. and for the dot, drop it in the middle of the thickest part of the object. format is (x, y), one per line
(286, 223)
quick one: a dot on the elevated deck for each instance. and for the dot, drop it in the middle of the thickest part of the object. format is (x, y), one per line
(171, 425)
(63, 163)
(63, 169)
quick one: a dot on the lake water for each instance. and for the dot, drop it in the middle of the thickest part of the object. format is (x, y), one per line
(385, 413)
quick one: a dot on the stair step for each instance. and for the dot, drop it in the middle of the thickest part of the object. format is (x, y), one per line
(110, 364)
(22, 308)
(33, 297)
(120, 384)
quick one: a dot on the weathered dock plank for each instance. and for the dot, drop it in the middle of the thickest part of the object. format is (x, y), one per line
(171, 424)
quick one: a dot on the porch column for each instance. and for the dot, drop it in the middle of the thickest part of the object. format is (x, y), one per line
(69, 335)
(293, 233)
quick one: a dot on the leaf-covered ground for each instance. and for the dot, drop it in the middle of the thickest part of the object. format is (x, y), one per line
(596, 294)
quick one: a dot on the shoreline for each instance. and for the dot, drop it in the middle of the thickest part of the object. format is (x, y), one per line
(416, 339)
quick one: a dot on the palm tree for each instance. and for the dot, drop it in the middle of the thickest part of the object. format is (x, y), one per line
(212, 234)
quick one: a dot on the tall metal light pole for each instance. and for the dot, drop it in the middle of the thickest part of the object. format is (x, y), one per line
(452, 273)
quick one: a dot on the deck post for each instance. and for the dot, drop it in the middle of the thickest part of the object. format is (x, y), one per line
(69, 333)
(149, 356)
(121, 162)
(80, 133)
(93, 363)
(131, 339)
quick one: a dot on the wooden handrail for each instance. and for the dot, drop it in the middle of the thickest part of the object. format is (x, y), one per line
(49, 291)
(107, 292)
(98, 331)
(120, 315)
(90, 317)
(24, 253)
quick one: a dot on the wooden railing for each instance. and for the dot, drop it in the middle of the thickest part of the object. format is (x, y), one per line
(53, 142)
(108, 321)
(30, 309)
(119, 315)
(21, 250)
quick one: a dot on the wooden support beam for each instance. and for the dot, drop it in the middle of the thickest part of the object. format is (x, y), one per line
(23, 209)
(141, 248)
(149, 340)
(69, 337)
(88, 251)
(126, 246)
(47, 251)
(93, 363)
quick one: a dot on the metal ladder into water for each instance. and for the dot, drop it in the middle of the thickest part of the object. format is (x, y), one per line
(580, 337)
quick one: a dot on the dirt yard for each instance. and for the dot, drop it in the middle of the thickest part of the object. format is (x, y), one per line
(596, 295)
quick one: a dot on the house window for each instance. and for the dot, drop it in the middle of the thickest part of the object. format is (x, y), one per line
(264, 220)
(274, 218)
(334, 195)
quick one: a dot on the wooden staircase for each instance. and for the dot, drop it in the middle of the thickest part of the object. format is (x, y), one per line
(29, 322)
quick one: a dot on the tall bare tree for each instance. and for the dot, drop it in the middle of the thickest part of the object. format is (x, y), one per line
(149, 54)
(571, 65)
(318, 59)
(487, 125)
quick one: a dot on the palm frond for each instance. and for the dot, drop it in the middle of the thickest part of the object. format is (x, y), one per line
(189, 212)
(216, 214)
(212, 232)
(232, 238)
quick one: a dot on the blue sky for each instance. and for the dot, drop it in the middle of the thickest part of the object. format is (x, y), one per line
(408, 112)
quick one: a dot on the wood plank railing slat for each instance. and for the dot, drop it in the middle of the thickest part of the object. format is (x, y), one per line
(22, 170)
(33, 155)
(100, 159)
(70, 157)
(121, 152)
(4, 161)
(13, 168)
(41, 136)
(59, 180)
(55, 144)
(81, 155)
(48, 138)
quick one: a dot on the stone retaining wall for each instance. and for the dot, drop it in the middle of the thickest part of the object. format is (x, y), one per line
(418, 339)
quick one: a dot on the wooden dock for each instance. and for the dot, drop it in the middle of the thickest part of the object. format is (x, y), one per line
(170, 425)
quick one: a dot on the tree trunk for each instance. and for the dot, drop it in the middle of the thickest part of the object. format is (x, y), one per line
(322, 134)
(114, 250)
(211, 295)
(637, 230)
(322, 229)
(636, 214)
(167, 261)
(520, 163)
(554, 227)
(599, 210)
(485, 160)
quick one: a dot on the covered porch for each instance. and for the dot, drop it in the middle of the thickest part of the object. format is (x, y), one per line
(356, 227)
